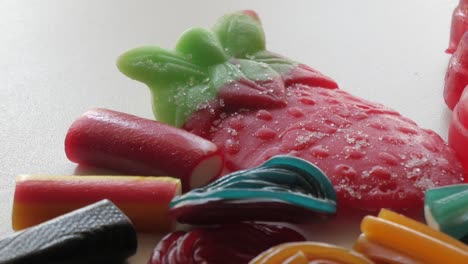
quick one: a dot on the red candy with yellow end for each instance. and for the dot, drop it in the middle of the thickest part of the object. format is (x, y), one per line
(134, 145)
(145, 200)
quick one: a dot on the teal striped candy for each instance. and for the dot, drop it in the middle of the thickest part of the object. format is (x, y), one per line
(289, 182)
(446, 209)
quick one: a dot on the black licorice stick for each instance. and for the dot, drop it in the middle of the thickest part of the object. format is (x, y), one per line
(98, 233)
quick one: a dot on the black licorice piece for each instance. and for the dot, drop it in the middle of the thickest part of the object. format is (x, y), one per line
(98, 233)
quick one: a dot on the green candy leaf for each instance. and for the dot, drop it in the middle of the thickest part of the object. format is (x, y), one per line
(202, 47)
(240, 33)
(189, 100)
(203, 63)
(257, 71)
(275, 61)
(154, 65)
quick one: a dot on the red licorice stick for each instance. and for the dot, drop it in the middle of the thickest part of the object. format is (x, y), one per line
(458, 131)
(145, 200)
(134, 145)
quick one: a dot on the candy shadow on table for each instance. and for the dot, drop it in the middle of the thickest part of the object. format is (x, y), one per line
(90, 170)
(146, 245)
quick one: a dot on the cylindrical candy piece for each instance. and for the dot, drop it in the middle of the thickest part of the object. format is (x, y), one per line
(309, 252)
(458, 131)
(134, 145)
(456, 77)
(145, 200)
(412, 239)
(228, 244)
(446, 210)
(98, 233)
(459, 25)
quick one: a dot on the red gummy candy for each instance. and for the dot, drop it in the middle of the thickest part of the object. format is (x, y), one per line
(458, 131)
(456, 77)
(236, 244)
(374, 156)
(459, 25)
(139, 146)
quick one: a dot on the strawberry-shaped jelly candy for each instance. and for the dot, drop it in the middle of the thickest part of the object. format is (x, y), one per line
(227, 244)
(253, 104)
(285, 189)
(458, 130)
(456, 78)
(459, 25)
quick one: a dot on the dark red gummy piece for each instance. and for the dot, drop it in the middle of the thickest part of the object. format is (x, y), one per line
(226, 244)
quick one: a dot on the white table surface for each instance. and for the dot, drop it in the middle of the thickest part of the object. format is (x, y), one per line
(57, 60)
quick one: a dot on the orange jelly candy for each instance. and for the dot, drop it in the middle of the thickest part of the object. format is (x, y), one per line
(309, 252)
(396, 239)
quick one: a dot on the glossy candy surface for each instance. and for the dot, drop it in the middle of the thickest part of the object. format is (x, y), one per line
(226, 244)
(459, 25)
(456, 78)
(309, 252)
(138, 146)
(446, 210)
(285, 188)
(145, 200)
(458, 131)
(394, 238)
(99, 233)
(254, 104)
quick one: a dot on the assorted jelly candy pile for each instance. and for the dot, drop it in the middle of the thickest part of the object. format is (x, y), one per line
(387, 238)
(226, 105)
(225, 86)
(283, 189)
